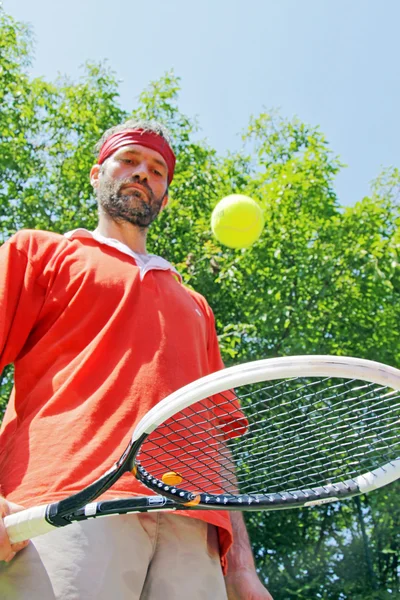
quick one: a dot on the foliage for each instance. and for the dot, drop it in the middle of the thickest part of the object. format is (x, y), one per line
(47, 132)
(322, 279)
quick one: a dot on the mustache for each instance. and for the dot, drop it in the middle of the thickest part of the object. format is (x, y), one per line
(136, 179)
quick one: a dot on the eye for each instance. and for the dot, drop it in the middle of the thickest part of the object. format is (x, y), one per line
(157, 172)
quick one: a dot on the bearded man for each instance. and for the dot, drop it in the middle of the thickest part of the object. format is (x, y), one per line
(99, 332)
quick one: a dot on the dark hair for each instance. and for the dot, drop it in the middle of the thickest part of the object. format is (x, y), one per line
(150, 126)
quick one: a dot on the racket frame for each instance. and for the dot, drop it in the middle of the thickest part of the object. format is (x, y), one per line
(268, 370)
(40, 519)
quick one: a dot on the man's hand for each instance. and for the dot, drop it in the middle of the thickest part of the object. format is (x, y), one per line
(8, 550)
(244, 584)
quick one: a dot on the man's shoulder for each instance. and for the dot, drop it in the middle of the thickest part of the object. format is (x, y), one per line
(35, 239)
(40, 234)
(38, 247)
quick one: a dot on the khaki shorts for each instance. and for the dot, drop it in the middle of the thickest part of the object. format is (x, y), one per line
(137, 557)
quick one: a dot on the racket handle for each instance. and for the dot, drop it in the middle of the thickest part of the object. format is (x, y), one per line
(26, 524)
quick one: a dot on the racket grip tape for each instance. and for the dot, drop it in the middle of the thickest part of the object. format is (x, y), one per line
(27, 524)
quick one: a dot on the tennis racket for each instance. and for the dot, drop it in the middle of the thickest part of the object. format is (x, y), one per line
(272, 434)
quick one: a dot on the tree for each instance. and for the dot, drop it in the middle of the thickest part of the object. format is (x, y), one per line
(321, 279)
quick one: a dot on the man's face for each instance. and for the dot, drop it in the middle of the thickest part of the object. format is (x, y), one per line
(132, 185)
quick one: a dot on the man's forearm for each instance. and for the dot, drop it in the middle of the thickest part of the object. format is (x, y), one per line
(242, 582)
(240, 555)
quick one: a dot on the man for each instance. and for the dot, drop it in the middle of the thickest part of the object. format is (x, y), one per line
(100, 331)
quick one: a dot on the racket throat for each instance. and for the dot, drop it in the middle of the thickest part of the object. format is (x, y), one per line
(52, 516)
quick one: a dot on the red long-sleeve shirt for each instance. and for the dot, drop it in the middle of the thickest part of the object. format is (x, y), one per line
(95, 346)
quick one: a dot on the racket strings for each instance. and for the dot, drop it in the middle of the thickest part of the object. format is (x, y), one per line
(176, 447)
(301, 434)
(351, 430)
(324, 442)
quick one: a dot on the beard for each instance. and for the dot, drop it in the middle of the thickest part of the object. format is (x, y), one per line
(128, 205)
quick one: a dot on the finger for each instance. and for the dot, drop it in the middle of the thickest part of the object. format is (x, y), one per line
(9, 557)
(19, 546)
(5, 546)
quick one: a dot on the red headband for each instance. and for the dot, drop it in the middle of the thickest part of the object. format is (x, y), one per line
(131, 137)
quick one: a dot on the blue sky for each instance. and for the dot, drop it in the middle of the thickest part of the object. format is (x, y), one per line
(331, 63)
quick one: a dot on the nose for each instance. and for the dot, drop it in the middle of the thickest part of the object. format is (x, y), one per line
(141, 171)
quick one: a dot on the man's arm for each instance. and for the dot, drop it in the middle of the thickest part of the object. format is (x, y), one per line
(242, 582)
(16, 303)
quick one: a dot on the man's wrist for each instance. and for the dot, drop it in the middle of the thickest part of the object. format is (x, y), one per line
(240, 570)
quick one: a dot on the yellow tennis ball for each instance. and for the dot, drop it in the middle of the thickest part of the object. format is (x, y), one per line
(237, 221)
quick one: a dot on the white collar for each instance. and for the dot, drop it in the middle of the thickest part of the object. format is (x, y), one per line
(154, 263)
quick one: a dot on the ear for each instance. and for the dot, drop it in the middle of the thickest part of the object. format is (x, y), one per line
(164, 202)
(94, 175)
